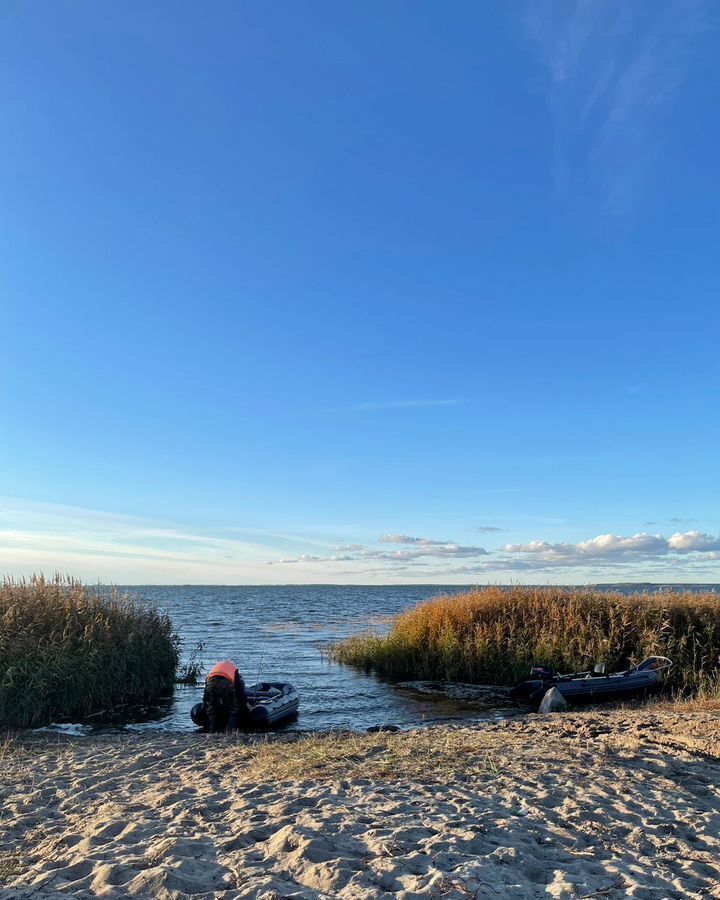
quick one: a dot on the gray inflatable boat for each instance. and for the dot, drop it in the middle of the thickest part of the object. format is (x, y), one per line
(271, 702)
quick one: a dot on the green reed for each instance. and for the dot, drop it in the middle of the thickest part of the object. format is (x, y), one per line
(68, 651)
(494, 635)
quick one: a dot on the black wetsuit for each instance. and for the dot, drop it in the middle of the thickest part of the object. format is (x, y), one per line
(226, 704)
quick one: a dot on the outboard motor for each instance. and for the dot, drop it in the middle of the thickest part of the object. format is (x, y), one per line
(541, 672)
(529, 687)
(199, 715)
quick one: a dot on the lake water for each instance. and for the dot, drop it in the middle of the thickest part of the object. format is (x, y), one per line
(276, 633)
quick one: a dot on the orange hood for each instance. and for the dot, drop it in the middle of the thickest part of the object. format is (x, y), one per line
(224, 669)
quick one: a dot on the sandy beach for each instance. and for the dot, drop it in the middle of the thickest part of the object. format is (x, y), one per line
(608, 805)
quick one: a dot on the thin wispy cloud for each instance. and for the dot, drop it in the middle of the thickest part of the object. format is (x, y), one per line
(407, 539)
(412, 549)
(611, 72)
(512, 490)
(131, 549)
(674, 520)
(388, 405)
(95, 544)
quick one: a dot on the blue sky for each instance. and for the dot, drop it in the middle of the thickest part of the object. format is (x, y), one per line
(372, 292)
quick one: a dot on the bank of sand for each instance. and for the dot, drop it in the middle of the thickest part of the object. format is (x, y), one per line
(565, 805)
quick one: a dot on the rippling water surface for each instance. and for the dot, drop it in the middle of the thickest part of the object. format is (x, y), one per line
(276, 633)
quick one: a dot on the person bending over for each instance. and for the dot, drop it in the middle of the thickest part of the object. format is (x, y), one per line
(225, 699)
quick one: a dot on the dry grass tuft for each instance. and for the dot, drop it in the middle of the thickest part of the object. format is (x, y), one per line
(494, 636)
(7, 746)
(10, 866)
(697, 704)
(67, 651)
(425, 755)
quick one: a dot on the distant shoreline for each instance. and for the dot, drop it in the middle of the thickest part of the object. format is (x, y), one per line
(614, 585)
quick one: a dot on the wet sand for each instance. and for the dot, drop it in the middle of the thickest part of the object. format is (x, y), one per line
(566, 805)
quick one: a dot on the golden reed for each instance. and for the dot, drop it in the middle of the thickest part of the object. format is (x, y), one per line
(494, 635)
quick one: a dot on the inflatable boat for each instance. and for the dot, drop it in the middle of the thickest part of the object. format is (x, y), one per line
(595, 686)
(271, 702)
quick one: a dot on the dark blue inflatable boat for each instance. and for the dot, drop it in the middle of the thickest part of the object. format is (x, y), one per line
(593, 687)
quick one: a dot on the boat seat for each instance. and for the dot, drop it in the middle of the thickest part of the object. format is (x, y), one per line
(269, 694)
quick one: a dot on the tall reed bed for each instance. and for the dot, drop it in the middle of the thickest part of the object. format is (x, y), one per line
(494, 635)
(68, 651)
